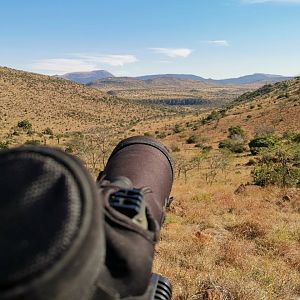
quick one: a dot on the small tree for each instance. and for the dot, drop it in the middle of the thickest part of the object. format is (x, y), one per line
(200, 157)
(183, 165)
(92, 149)
(218, 162)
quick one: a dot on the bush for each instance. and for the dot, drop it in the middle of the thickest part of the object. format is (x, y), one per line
(233, 146)
(262, 142)
(25, 124)
(177, 128)
(280, 166)
(214, 115)
(236, 132)
(48, 131)
(193, 139)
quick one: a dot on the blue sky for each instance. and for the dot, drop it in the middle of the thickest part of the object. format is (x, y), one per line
(213, 38)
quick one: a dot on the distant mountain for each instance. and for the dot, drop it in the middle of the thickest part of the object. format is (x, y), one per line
(176, 76)
(92, 77)
(87, 77)
(254, 78)
(247, 79)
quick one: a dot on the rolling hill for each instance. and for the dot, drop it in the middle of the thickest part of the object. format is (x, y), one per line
(63, 106)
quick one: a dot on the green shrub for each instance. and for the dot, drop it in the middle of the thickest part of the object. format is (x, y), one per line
(25, 124)
(193, 139)
(280, 166)
(262, 142)
(232, 145)
(214, 115)
(177, 128)
(236, 131)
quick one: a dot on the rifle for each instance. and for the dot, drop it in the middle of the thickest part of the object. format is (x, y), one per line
(65, 237)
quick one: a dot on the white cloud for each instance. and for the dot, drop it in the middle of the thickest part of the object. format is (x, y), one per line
(81, 63)
(271, 1)
(63, 65)
(173, 52)
(222, 43)
(111, 59)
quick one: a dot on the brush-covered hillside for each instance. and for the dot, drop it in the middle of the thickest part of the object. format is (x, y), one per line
(271, 108)
(63, 106)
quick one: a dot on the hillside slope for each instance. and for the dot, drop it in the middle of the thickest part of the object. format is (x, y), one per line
(62, 105)
(272, 108)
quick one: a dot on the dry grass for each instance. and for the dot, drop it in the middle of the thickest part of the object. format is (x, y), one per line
(221, 240)
(243, 244)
